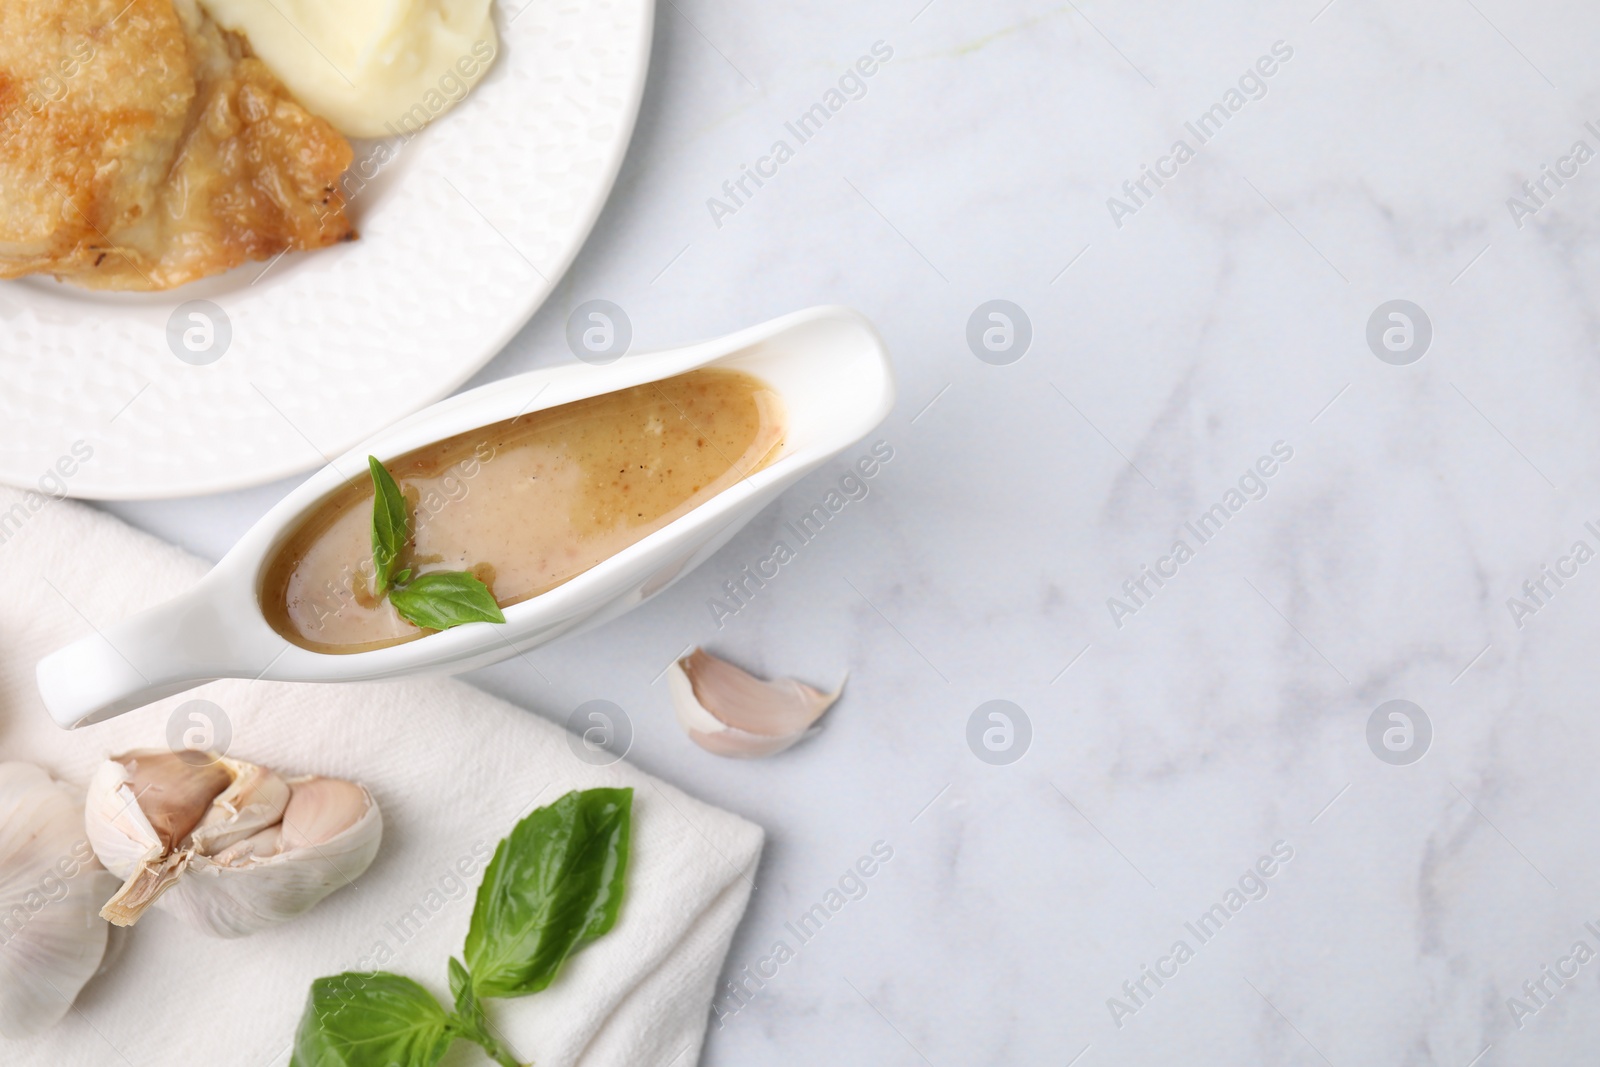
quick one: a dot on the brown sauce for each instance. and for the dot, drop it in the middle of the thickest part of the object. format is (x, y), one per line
(526, 504)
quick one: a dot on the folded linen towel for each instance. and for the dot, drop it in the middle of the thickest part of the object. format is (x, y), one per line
(452, 768)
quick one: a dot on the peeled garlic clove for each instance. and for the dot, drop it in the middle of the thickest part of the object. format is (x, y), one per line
(730, 712)
(51, 940)
(264, 849)
(254, 801)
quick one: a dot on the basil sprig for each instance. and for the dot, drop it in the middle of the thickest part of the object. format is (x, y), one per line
(554, 885)
(435, 601)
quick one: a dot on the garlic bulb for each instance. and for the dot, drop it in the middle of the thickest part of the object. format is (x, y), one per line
(231, 847)
(730, 712)
(51, 939)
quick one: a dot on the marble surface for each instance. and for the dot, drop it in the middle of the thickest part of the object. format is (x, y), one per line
(1178, 739)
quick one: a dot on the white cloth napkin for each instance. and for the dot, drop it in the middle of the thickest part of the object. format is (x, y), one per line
(451, 767)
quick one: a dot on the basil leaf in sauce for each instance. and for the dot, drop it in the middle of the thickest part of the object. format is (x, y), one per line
(444, 599)
(391, 524)
(371, 1020)
(432, 601)
(554, 885)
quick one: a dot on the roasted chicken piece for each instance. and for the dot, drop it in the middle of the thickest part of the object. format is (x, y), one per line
(142, 147)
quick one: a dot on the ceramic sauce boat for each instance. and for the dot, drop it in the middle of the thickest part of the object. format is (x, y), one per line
(828, 364)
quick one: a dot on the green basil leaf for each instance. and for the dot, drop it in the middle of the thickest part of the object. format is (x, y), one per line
(371, 1020)
(461, 990)
(444, 599)
(554, 885)
(391, 523)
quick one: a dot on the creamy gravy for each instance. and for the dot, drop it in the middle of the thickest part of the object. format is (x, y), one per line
(525, 504)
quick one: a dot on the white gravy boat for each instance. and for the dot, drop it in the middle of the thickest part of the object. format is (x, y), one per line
(828, 363)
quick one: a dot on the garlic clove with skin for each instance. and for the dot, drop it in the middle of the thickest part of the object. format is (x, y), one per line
(139, 808)
(263, 843)
(321, 809)
(173, 794)
(327, 839)
(121, 833)
(265, 849)
(730, 712)
(204, 807)
(256, 800)
(51, 939)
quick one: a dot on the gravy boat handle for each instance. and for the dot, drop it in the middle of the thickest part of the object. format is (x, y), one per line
(157, 653)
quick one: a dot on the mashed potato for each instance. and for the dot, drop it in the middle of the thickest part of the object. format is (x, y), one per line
(373, 68)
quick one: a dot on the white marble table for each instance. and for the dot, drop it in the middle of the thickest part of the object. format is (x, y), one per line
(1178, 739)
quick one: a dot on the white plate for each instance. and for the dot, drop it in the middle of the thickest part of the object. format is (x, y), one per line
(463, 235)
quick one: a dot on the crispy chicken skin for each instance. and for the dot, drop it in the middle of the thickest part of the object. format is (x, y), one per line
(142, 147)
